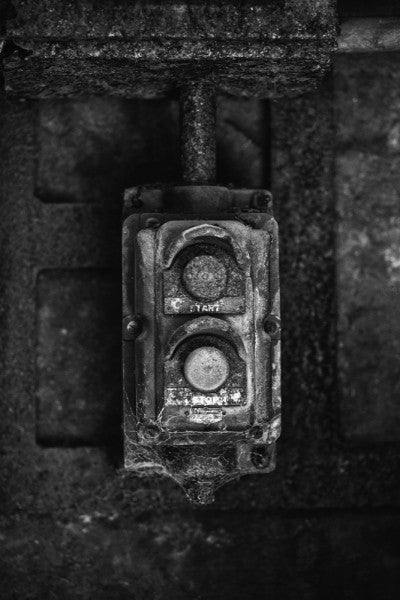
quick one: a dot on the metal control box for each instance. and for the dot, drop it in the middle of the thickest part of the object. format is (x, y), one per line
(201, 334)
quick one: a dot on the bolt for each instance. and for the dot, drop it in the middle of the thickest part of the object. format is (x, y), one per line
(272, 326)
(151, 431)
(134, 326)
(152, 223)
(261, 456)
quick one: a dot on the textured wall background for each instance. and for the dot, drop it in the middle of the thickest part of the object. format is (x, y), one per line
(326, 523)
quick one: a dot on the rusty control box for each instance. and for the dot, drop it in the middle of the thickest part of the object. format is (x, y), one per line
(201, 334)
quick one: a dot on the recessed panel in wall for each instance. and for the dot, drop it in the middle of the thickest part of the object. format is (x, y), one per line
(78, 357)
(368, 245)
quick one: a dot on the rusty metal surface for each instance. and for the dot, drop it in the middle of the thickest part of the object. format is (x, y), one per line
(147, 48)
(198, 135)
(198, 383)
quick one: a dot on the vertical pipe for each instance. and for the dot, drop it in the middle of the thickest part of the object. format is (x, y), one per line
(198, 144)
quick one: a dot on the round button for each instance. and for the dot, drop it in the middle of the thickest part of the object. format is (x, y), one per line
(206, 368)
(205, 277)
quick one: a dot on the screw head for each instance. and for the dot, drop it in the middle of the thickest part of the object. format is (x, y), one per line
(152, 223)
(151, 431)
(133, 326)
(272, 326)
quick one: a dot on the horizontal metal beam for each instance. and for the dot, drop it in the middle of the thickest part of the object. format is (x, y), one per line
(150, 48)
(247, 50)
(370, 35)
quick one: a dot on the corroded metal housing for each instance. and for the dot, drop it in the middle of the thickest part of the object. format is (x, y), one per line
(201, 334)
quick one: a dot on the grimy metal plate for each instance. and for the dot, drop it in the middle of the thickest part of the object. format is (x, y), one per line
(201, 334)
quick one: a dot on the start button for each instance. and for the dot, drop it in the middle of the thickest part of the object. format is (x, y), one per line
(206, 369)
(205, 277)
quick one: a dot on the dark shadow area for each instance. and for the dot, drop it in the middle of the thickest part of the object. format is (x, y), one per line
(368, 8)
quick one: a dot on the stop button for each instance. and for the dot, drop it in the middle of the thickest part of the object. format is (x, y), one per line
(206, 368)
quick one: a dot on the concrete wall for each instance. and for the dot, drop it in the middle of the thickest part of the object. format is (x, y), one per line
(326, 523)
